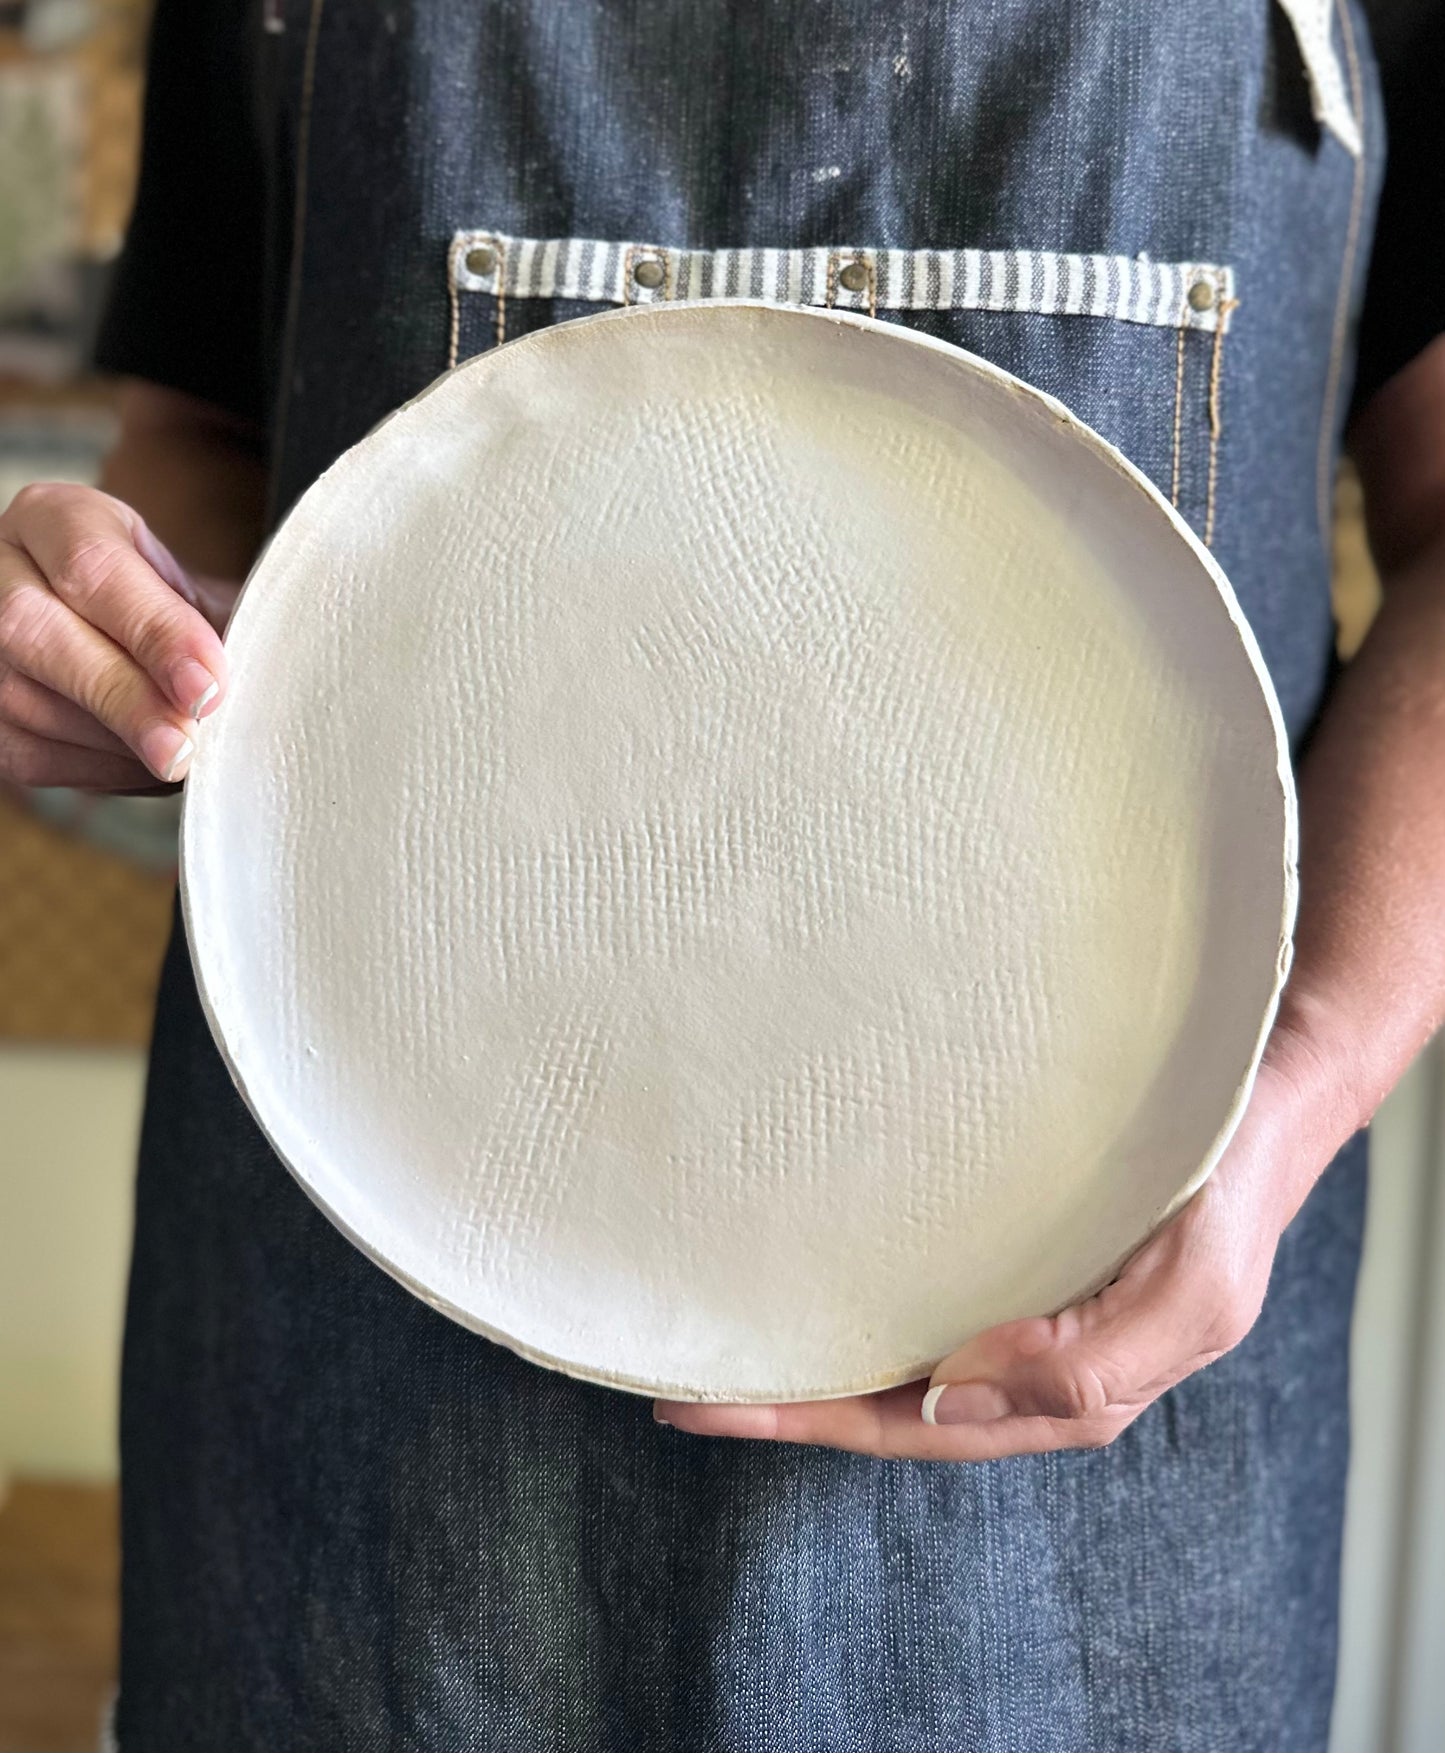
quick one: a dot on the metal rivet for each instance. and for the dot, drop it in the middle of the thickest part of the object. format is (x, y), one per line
(648, 272)
(854, 278)
(1201, 295)
(482, 261)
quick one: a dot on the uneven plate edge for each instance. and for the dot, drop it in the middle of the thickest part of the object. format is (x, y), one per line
(894, 1376)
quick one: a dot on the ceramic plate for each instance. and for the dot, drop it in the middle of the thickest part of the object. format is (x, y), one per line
(745, 845)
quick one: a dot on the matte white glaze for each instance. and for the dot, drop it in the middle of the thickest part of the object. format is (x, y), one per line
(744, 846)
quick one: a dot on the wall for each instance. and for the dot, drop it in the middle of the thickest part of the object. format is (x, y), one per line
(1391, 1696)
(68, 1122)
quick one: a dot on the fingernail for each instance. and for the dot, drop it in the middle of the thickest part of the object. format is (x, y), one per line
(661, 1420)
(166, 750)
(193, 686)
(965, 1403)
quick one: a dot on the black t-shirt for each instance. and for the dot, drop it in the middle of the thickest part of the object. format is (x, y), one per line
(1405, 298)
(186, 302)
(193, 300)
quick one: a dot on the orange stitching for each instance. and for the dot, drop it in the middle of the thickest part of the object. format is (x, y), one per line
(460, 247)
(627, 256)
(830, 282)
(872, 268)
(1178, 415)
(1222, 308)
(501, 292)
(454, 296)
(1323, 493)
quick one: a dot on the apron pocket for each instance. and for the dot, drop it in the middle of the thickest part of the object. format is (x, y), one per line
(1133, 346)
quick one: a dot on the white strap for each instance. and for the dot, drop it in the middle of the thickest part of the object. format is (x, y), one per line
(1329, 100)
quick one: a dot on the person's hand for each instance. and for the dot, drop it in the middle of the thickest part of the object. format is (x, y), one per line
(109, 650)
(1077, 1379)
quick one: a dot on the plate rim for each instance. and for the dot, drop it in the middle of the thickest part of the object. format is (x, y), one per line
(901, 334)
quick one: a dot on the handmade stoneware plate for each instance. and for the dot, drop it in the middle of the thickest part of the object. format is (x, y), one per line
(744, 846)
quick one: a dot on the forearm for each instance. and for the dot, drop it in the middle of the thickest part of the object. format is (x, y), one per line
(1368, 986)
(194, 474)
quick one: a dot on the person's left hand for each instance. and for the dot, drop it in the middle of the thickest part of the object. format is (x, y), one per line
(1075, 1380)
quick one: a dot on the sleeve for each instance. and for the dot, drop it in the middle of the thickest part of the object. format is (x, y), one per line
(184, 303)
(1404, 307)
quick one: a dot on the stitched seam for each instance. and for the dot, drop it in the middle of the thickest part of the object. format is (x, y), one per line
(454, 297)
(1216, 422)
(463, 243)
(500, 311)
(298, 232)
(1324, 496)
(1178, 417)
(869, 267)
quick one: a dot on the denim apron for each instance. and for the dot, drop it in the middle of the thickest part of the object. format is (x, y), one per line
(349, 1523)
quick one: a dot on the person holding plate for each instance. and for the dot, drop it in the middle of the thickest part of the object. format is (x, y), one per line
(346, 1520)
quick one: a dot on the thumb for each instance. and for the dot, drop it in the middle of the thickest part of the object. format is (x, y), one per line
(1061, 1367)
(1097, 1364)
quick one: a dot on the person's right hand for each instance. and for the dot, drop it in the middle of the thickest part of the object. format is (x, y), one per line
(109, 650)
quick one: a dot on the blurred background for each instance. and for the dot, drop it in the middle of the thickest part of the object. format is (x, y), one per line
(86, 890)
(85, 902)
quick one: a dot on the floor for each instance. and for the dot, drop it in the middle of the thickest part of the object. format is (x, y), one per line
(58, 1564)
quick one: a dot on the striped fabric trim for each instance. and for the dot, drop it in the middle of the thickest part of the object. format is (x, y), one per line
(1134, 289)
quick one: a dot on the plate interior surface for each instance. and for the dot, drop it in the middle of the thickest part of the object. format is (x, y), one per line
(744, 846)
